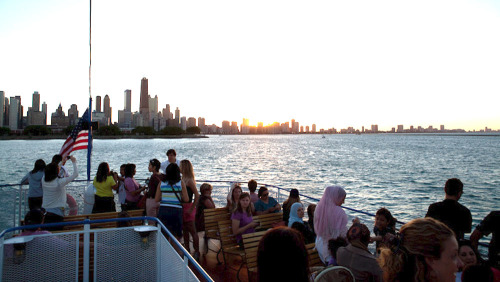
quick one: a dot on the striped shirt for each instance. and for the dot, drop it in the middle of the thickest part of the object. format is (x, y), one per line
(168, 194)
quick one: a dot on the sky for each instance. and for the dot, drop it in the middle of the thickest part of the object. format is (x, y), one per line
(331, 63)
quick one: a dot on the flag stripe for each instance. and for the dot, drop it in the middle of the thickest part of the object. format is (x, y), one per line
(78, 138)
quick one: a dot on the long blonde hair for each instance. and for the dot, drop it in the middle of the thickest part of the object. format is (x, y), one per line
(418, 239)
(187, 170)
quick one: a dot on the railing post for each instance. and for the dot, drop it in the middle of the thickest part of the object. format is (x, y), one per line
(186, 268)
(159, 241)
(86, 251)
(1, 257)
(20, 199)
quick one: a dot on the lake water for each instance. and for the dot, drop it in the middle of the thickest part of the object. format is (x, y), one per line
(404, 173)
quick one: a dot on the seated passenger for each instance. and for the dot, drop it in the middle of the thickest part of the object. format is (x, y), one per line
(233, 196)
(242, 221)
(252, 186)
(266, 204)
(34, 179)
(478, 272)
(310, 213)
(489, 225)
(205, 202)
(425, 250)
(357, 257)
(33, 217)
(296, 222)
(287, 204)
(282, 256)
(333, 246)
(385, 223)
(330, 220)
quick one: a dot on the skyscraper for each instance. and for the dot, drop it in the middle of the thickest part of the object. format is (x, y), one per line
(14, 113)
(98, 104)
(144, 105)
(107, 109)
(6, 106)
(177, 117)
(153, 105)
(35, 105)
(128, 100)
(2, 107)
(73, 114)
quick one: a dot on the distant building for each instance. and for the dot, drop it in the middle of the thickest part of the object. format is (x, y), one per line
(73, 114)
(374, 128)
(14, 113)
(191, 122)
(183, 123)
(6, 107)
(107, 109)
(176, 121)
(59, 119)
(127, 100)
(100, 118)
(2, 107)
(124, 119)
(400, 128)
(98, 104)
(226, 127)
(234, 127)
(201, 124)
(313, 130)
(307, 129)
(441, 127)
(144, 104)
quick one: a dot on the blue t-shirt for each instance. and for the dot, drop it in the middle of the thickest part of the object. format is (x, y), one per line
(260, 206)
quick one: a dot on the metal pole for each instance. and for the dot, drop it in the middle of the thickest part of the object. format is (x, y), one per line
(89, 145)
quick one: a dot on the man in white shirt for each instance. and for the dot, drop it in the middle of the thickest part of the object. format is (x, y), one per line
(172, 158)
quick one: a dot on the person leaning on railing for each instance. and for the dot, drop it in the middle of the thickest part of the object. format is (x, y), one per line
(34, 179)
(105, 182)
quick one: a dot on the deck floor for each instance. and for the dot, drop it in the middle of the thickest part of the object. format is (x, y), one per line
(220, 272)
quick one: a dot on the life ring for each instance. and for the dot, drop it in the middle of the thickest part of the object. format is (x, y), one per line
(73, 205)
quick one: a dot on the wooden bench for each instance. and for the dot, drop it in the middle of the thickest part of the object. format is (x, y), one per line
(104, 215)
(313, 256)
(251, 243)
(267, 221)
(228, 243)
(212, 217)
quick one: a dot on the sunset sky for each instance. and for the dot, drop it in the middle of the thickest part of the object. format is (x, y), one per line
(333, 63)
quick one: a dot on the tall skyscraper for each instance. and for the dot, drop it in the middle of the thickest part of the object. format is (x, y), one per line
(153, 105)
(107, 109)
(2, 107)
(35, 104)
(177, 117)
(144, 105)
(128, 100)
(6, 106)
(98, 104)
(14, 113)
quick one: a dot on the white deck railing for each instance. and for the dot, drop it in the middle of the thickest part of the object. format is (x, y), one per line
(136, 253)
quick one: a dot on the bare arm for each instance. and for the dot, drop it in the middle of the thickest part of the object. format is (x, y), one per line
(209, 204)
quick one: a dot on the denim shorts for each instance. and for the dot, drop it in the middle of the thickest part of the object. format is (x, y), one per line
(171, 217)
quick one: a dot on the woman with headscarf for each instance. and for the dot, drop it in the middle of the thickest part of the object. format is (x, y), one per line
(330, 220)
(295, 221)
(357, 257)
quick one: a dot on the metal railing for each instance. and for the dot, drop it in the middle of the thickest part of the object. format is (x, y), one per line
(219, 194)
(132, 253)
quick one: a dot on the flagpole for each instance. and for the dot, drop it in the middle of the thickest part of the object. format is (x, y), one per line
(89, 147)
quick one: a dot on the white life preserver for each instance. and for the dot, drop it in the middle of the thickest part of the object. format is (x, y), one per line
(88, 199)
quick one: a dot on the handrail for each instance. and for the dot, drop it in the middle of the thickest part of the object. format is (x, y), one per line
(267, 185)
(186, 254)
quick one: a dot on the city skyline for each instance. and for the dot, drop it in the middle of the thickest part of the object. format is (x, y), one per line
(151, 115)
(331, 63)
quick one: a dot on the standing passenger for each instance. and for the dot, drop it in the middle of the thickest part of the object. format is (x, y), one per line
(489, 225)
(54, 191)
(153, 206)
(189, 207)
(172, 159)
(330, 220)
(122, 193)
(34, 179)
(450, 211)
(172, 193)
(132, 188)
(105, 182)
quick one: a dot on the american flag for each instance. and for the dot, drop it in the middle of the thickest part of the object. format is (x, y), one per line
(79, 137)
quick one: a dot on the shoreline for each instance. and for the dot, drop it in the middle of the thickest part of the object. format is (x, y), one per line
(62, 137)
(196, 136)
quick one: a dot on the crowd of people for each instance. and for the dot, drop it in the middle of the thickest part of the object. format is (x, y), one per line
(425, 249)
